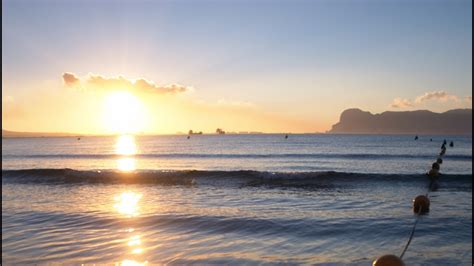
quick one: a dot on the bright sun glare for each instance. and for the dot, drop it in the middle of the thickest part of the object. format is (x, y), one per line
(123, 113)
(125, 145)
(127, 203)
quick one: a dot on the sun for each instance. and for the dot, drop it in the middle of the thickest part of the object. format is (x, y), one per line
(123, 113)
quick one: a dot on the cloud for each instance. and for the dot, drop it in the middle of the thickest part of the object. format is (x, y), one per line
(99, 82)
(70, 80)
(401, 103)
(436, 95)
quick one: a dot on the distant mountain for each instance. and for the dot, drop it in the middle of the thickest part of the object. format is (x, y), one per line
(356, 121)
(15, 134)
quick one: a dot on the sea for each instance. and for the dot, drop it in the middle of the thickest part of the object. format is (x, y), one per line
(243, 199)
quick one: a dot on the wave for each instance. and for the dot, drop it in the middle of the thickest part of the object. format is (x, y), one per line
(355, 156)
(326, 179)
(212, 223)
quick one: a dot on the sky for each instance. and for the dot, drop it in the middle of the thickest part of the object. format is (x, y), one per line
(163, 67)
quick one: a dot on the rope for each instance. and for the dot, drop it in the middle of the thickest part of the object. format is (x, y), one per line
(412, 234)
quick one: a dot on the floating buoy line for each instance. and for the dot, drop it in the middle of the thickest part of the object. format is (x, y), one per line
(421, 205)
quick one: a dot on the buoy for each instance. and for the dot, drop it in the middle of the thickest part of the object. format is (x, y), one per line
(421, 204)
(388, 260)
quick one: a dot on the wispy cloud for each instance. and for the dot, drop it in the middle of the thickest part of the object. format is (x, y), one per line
(401, 103)
(99, 82)
(438, 96)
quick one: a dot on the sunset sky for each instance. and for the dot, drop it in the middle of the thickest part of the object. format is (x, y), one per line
(273, 66)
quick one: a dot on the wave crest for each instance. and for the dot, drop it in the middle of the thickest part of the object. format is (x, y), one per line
(197, 177)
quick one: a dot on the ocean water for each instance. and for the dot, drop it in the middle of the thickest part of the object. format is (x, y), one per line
(233, 199)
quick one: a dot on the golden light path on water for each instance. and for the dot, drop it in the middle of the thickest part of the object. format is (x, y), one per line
(126, 164)
(132, 263)
(126, 147)
(127, 203)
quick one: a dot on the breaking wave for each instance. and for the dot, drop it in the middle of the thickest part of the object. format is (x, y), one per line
(198, 177)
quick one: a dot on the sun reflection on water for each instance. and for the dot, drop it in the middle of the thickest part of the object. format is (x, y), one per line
(132, 263)
(125, 145)
(126, 164)
(127, 203)
(137, 251)
(134, 240)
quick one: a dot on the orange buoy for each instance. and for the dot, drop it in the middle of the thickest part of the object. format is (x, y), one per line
(421, 204)
(388, 260)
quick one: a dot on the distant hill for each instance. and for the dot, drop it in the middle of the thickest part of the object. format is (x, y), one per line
(356, 121)
(15, 134)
